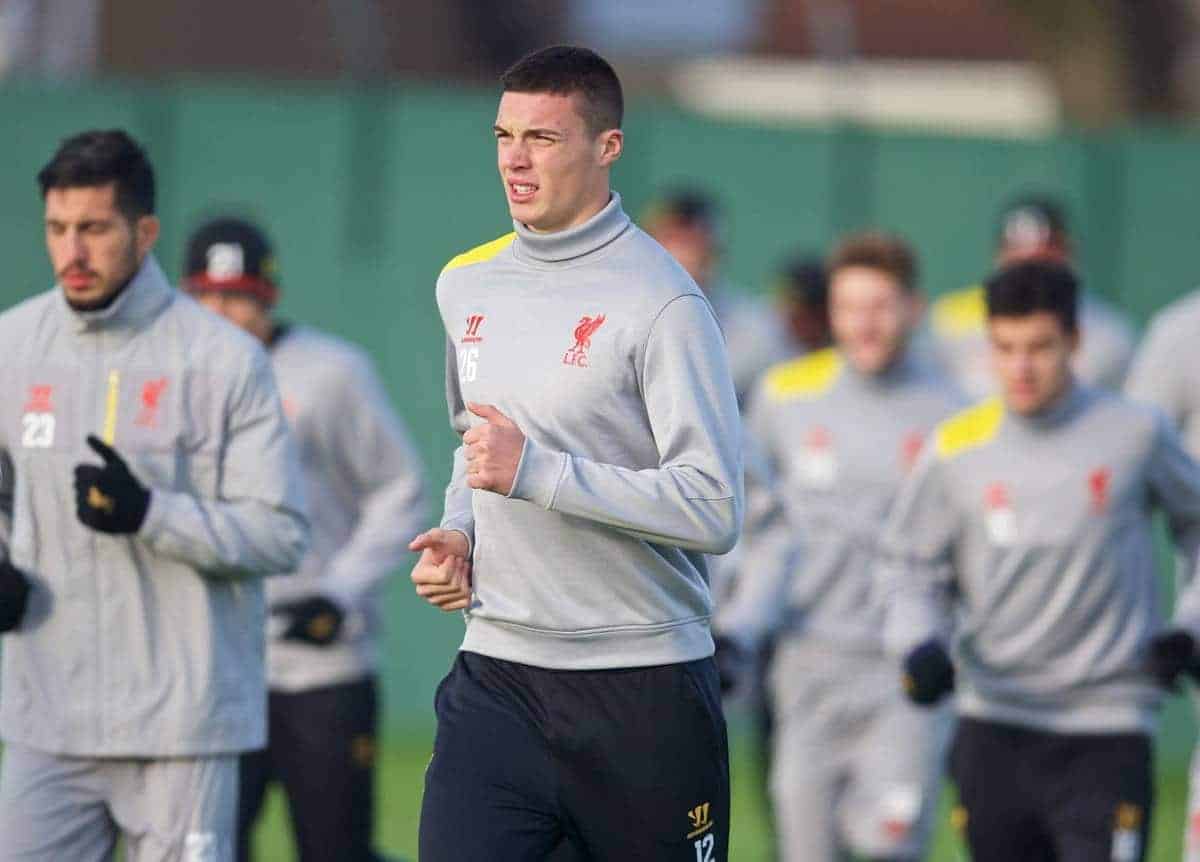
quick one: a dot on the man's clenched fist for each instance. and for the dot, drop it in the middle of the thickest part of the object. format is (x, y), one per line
(442, 576)
(928, 673)
(109, 499)
(493, 450)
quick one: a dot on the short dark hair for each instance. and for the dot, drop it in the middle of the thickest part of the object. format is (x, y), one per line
(885, 252)
(803, 279)
(97, 158)
(1032, 287)
(566, 69)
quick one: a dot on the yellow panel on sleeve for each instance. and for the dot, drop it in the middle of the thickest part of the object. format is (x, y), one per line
(481, 252)
(961, 312)
(970, 429)
(806, 377)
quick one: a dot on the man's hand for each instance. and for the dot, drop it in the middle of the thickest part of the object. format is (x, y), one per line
(1171, 653)
(928, 674)
(14, 595)
(493, 450)
(442, 575)
(109, 498)
(316, 620)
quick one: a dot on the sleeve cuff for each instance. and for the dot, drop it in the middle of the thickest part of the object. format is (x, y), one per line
(466, 526)
(152, 524)
(538, 474)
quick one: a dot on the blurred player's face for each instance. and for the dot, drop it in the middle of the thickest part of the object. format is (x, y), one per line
(1031, 358)
(554, 168)
(871, 315)
(689, 243)
(245, 311)
(93, 248)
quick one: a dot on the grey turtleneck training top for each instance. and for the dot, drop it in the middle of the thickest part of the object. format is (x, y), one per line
(1031, 537)
(605, 353)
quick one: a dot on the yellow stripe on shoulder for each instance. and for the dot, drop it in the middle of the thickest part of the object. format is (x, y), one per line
(481, 252)
(970, 429)
(806, 377)
(961, 312)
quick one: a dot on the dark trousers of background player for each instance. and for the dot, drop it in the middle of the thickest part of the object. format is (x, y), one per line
(628, 763)
(1052, 797)
(321, 750)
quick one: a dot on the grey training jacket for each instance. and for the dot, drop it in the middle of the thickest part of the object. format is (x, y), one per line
(148, 645)
(605, 353)
(840, 444)
(366, 498)
(1031, 538)
(1166, 371)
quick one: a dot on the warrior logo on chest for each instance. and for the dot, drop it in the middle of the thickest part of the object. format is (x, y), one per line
(37, 419)
(1000, 519)
(818, 461)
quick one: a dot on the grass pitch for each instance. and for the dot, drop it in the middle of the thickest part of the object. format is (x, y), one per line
(404, 756)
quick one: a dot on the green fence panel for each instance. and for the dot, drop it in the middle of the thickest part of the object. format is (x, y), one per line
(369, 190)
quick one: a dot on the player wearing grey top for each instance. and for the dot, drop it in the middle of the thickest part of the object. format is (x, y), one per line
(856, 767)
(1031, 228)
(133, 671)
(1024, 539)
(1166, 373)
(600, 463)
(688, 223)
(366, 498)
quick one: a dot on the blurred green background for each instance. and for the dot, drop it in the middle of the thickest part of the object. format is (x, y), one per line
(368, 191)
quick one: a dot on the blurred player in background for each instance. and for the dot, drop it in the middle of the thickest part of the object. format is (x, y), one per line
(365, 492)
(131, 588)
(689, 224)
(801, 306)
(600, 463)
(1027, 530)
(1031, 229)
(802, 302)
(856, 767)
(1166, 373)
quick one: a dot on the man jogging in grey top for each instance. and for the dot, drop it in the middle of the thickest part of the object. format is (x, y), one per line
(1032, 228)
(149, 481)
(689, 223)
(856, 767)
(1166, 373)
(366, 500)
(600, 463)
(1028, 523)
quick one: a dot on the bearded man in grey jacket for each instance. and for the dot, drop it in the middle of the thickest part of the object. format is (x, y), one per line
(130, 589)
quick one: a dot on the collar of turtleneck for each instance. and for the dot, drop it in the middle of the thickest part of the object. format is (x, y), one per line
(145, 295)
(1065, 408)
(566, 245)
(899, 371)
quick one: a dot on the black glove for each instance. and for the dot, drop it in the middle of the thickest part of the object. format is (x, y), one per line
(1171, 654)
(109, 498)
(731, 661)
(315, 620)
(14, 595)
(928, 674)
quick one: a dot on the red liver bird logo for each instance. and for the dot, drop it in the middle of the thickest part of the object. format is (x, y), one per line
(587, 327)
(152, 392)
